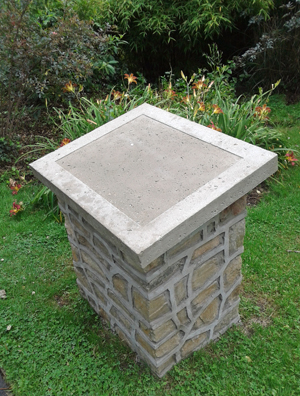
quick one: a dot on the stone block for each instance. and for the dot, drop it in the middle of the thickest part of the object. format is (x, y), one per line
(78, 226)
(207, 246)
(82, 277)
(199, 302)
(119, 303)
(123, 336)
(160, 332)
(121, 285)
(75, 253)
(180, 290)
(186, 244)
(93, 264)
(121, 318)
(207, 271)
(163, 349)
(234, 209)
(209, 315)
(232, 273)
(183, 317)
(233, 298)
(99, 293)
(236, 236)
(151, 309)
(193, 344)
(100, 246)
(225, 322)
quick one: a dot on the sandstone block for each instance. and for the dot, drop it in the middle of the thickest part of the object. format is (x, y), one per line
(199, 301)
(92, 263)
(225, 322)
(233, 297)
(209, 315)
(123, 336)
(183, 317)
(160, 332)
(69, 228)
(75, 253)
(98, 293)
(234, 209)
(186, 244)
(121, 285)
(180, 289)
(163, 349)
(121, 318)
(236, 236)
(207, 246)
(207, 271)
(194, 343)
(100, 246)
(232, 272)
(163, 277)
(78, 226)
(117, 301)
(155, 264)
(82, 277)
(83, 241)
(151, 309)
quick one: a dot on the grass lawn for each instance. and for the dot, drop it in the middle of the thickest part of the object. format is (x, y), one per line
(56, 344)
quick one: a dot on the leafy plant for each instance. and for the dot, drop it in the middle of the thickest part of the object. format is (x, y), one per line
(8, 150)
(37, 60)
(275, 54)
(160, 33)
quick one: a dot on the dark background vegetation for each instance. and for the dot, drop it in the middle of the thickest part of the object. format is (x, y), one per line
(45, 44)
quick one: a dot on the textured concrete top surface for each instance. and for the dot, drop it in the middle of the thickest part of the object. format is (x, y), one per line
(149, 178)
(145, 167)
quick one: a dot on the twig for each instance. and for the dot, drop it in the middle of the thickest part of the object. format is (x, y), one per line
(5, 388)
(293, 251)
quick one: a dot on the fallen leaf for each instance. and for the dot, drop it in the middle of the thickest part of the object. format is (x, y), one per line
(8, 327)
(248, 359)
(3, 294)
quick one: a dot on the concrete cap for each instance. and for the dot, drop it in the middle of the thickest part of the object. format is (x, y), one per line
(150, 178)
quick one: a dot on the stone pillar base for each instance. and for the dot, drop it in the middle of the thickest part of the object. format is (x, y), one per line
(175, 305)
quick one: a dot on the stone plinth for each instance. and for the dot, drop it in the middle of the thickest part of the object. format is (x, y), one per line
(154, 207)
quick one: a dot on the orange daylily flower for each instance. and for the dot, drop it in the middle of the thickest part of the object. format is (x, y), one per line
(291, 158)
(64, 142)
(116, 95)
(186, 99)
(217, 109)
(201, 106)
(213, 126)
(262, 112)
(69, 87)
(131, 78)
(17, 207)
(14, 186)
(170, 93)
(199, 84)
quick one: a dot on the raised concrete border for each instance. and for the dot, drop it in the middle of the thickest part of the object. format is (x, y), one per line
(148, 241)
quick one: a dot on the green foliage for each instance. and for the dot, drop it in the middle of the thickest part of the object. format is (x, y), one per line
(275, 54)
(39, 56)
(8, 150)
(161, 32)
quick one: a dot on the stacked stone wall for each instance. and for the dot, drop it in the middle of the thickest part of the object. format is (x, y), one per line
(175, 305)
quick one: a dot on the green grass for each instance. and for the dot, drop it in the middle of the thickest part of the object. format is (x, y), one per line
(58, 346)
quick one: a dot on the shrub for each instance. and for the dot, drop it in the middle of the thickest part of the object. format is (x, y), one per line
(167, 32)
(38, 59)
(276, 52)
